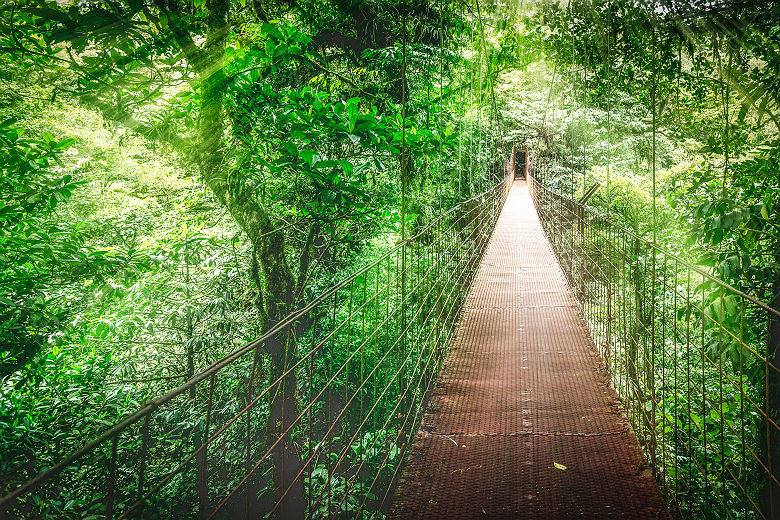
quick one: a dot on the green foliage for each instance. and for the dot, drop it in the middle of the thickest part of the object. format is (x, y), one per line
(218, 171)
(55, 401)
(734, 218)
(672, 108)
(37, 252)
(370, 452)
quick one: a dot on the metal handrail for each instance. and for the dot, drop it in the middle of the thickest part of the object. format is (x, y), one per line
(492, 197)
(664, 346)
(649, 243)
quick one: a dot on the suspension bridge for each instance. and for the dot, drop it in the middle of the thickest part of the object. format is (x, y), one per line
(520, 356)
(523, 423)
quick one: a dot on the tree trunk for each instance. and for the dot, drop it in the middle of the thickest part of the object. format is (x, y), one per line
(270, 245)
(770, 496)
(280, 297)
(289, 493)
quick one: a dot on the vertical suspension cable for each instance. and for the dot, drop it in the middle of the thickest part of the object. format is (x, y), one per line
(585, 104)
(404, 179)
(726, 124)
(460, 106)
(440, 110)
(609, 111)
(653, 398)
(479, 124)
(653, 94)
(573, 81)
(404, 187)
(582, 105)
(608, 92)
(478, 105)
(481, 130)
(471, 124)
(484, 129)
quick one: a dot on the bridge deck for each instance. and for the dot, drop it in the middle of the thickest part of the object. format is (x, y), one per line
(522, 391)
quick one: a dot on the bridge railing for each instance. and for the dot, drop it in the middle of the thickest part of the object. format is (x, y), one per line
(312, 420)
(687, 354)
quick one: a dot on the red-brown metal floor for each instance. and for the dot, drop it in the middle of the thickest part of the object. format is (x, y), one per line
(522, 395)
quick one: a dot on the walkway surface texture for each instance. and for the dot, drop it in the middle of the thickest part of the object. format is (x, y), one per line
(523, 423)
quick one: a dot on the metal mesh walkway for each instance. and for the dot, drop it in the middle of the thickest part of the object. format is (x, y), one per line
(522, 396)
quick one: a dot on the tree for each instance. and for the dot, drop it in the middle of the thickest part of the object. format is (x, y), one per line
(205, 79)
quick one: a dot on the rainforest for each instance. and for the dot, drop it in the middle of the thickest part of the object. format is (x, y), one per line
(238, 239)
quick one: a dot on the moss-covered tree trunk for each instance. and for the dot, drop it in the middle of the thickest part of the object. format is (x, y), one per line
(770, 499)
(270, 251)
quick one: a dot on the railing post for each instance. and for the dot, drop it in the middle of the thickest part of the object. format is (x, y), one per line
(201, 460)
(111, 494)
(142, 470)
